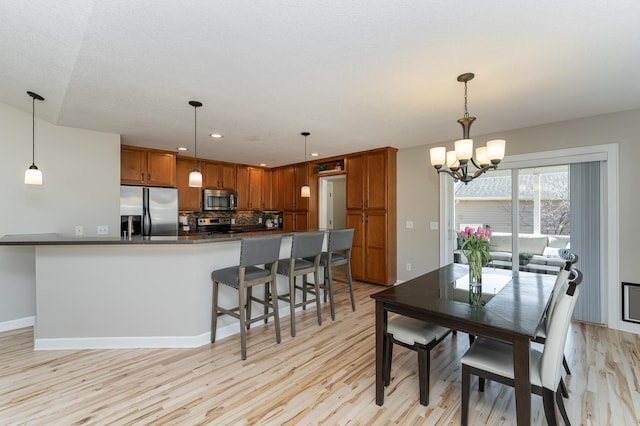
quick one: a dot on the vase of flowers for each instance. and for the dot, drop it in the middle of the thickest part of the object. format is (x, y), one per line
(475, 246)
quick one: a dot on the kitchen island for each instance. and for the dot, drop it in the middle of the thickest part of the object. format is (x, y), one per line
(105, 292)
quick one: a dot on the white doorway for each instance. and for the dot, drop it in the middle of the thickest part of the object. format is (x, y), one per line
(333, 202)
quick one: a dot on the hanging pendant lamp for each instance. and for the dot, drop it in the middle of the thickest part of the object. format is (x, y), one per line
(33, 176)
(456, 163)
(305, 191)
(195, 177)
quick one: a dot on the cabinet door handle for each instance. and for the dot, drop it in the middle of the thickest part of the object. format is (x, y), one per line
(366, 219)
(366, 204)
(141, 176)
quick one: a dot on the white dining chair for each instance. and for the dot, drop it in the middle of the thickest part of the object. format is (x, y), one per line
(493, 360)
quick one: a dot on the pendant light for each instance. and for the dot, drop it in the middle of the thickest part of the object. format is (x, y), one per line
(33, 176)
(195, 177)
(457, 161)
(305, 191)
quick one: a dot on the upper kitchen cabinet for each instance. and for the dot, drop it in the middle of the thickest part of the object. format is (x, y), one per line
(250, 187)
(141, 166)
(290, 180)
(219, 175)
(268, 199)
(189, 198)
(367, 180)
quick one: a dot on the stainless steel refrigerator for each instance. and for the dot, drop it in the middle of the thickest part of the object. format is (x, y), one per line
(154, 209)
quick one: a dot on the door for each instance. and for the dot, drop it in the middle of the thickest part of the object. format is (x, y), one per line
(355, 220)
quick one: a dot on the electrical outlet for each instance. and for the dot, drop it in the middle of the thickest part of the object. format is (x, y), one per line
(433, 226)
(408, 266)
(79, 231)
(102, 229)
(408, 224)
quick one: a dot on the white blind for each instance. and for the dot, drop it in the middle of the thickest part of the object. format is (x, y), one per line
(586, 238)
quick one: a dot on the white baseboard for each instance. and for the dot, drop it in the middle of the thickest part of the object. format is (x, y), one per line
(17, 323)
(140, 342)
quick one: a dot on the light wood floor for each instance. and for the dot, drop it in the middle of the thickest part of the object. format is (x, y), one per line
(325, 375)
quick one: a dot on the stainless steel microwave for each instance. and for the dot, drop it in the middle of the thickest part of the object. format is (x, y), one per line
(219, 199)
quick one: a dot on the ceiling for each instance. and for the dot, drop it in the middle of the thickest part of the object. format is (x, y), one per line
(356, 74)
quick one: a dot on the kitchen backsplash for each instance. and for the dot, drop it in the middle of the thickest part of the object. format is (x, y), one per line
(241, 217)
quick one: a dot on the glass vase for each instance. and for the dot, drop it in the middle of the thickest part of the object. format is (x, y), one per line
(475, 279)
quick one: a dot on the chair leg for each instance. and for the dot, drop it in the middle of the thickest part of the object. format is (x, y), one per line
(324, 283)
(249, 307)
(387, 355)
(349, 281)
(214, 311)
(480, 384)
(566, 365)
(274, 306)
(316, 285)
(241, 315)
(292, 303)
(267, 297)
(466, 391)
(304, 292)
(424, 365)
(331, 300)
(563, 411)
(563, 388)
(549, 406)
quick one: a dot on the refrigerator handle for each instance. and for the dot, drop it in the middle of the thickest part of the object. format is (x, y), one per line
(146, 214)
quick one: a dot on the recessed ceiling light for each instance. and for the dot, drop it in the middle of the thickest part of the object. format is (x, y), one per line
(181, 148)
(216, 135)
(314, 154)
(263, 165)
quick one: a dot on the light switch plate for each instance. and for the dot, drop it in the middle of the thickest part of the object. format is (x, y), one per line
(409, 224)
(433, 226)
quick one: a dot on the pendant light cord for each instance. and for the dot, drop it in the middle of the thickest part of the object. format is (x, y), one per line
(33, 132)
(466, 112)
(195, 135)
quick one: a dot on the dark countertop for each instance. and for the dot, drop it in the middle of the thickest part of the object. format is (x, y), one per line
(194, 238)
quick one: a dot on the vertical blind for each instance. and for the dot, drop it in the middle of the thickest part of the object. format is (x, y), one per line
(586, 204)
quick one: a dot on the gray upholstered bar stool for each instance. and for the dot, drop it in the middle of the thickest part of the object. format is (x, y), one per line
(419, 336)
(254, 251)
(338, 253)
(304, 245)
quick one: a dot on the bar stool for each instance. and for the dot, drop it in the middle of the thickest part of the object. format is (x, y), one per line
(304, 246)
(254, 251)
(338, 253)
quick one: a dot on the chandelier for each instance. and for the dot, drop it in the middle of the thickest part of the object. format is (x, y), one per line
(457, 162)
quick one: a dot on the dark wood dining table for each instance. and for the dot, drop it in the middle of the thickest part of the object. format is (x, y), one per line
(515, 306)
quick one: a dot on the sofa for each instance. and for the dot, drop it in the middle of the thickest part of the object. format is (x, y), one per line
(545, 249)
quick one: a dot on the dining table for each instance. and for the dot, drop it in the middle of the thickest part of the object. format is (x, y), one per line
(514, 304)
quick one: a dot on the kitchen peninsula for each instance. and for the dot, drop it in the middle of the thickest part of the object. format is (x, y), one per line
(106, 292)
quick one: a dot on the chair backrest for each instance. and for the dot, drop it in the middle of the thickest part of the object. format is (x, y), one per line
(558, 288)
(340, 240)
(259, 250)
(553, 352)
(307, 244)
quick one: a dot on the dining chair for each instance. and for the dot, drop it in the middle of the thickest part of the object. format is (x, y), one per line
(419, 336)
(493, 360)
(254, 252)
(304, 245)
(566, 274)
(338, 253)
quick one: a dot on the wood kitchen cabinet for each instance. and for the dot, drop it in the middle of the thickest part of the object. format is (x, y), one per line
(250, 182)
(291, 178)
(371, 211)
(267, 194)
(189, 198)
(295, 221)
(141, 166)
(219, 175)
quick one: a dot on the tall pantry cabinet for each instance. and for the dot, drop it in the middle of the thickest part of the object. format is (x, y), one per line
(371, 211)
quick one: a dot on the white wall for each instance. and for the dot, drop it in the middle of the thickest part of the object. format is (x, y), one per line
(81, 176)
